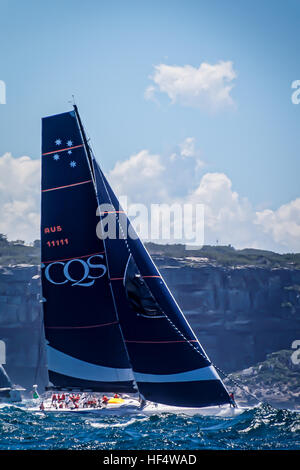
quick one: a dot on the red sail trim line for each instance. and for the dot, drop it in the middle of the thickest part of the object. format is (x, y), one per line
(80, 327)
(121, 278)
(63, 150)
(74, 257)
(162, 342)
(67, 186)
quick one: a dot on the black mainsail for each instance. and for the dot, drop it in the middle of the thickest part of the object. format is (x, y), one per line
(84, 341)
(111, 322)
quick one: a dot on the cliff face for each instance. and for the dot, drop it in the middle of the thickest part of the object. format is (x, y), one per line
(21, 325)
(275, 381)
(239, 314)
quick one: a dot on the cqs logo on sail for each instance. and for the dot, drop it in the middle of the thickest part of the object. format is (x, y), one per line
(2, 92)
(76, 271)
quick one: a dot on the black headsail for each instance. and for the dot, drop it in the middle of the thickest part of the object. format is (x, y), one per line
(85, 348)
(169, 364)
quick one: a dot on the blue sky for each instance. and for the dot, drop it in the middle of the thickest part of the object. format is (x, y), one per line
(104, 52)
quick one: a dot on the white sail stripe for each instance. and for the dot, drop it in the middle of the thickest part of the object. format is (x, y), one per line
(67, 365)
(205, 373)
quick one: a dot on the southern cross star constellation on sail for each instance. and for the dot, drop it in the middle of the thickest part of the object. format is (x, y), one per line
(69, 144)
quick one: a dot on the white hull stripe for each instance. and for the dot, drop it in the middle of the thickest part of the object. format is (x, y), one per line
(206, 373)
(67, 365)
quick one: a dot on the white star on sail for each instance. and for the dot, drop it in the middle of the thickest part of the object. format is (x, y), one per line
(58, 142)
(73, 164)
(69, 143)
(69, 152)
(56, 156)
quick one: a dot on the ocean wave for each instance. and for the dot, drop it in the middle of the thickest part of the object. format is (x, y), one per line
(262, 427)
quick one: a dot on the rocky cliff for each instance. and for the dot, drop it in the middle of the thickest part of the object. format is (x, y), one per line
(275, 381)
(240, 314)
(21, 327)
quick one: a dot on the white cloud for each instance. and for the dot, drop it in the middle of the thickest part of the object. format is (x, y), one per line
(153, 178)
(19, 197)
(282, 224)
(187, 148)
(139, 177)
(229, 218)
(208, 86)
(149, 92)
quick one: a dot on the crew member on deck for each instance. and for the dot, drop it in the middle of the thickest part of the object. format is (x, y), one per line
(104, 400)
(67, 401)
(232, 400)
(35, 394)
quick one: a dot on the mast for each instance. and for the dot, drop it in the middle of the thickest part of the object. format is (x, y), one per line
(90, 159)
(85, 141)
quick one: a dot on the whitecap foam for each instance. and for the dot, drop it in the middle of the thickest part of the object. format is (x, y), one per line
(117, 425)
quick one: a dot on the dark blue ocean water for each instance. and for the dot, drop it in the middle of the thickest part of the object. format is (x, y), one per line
(259, 428)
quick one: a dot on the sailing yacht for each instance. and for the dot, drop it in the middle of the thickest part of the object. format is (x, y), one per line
(111, 323)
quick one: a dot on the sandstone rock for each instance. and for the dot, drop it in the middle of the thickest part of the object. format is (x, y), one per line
(236, 312)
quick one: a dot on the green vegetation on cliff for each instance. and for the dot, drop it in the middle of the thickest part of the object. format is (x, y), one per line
(275, 380)
(16, 252)
(228, 255)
